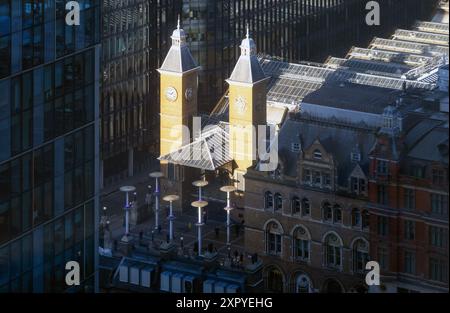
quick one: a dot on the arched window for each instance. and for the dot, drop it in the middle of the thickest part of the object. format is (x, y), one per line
(274, 235)
(303, 284)
(337, 214)
(278, 202)
(360, 252)
(356, 218)
(365, 219)
(301, 244)
(268, 200)
(327, 212)
(306, 207)
(296, 205)
(333, 251)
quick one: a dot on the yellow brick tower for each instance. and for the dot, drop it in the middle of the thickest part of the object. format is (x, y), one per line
(247, 109)
(178, 105)
(178, 93)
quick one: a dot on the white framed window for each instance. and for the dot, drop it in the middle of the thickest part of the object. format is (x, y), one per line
(273, 239)
(438, 269)
(357, 185)
(296, 205)
(278, 202)
(327, 212)
(307, 176)
(303, 284)
(356, 218)
(301, 244)
(437, 237)
(295, 147)
(333, 251)
(268, 200)
(317, 154)
(360, 252)
(382, 167)
(355, 157)
(317, 178)
(439, 204)
(306, 207)
(337, 214)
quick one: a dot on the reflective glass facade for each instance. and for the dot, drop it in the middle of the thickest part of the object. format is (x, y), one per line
(293, 30)
(49, 138)
(135, 37)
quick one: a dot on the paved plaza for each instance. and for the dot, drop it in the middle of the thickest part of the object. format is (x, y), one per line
(185, 231)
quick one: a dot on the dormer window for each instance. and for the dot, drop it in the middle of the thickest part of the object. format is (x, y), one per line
(357, 185)
(295, 147)
(317, 154)
(355, 157)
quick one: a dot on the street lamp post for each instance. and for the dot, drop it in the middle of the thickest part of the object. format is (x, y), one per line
(156, 176)
(171, 217)
(127, 190)
(199, 205)
(200, 184)
(228, 208)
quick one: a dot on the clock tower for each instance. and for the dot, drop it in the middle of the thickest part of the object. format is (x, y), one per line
(178, 94)
(247, 108)
(178, 106)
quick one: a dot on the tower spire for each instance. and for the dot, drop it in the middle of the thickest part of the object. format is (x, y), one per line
(178, 22)
(248, 31)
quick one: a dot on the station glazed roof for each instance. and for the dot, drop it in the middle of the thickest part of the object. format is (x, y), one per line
(209, 151)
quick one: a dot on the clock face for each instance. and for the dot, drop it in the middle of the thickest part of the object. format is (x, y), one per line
(241, 104)
(171, 94)
(189, 94)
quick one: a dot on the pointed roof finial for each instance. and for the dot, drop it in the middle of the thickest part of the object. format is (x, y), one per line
(248, 31)
(179, 22)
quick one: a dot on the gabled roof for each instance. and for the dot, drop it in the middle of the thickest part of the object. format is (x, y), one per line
(339, 141)
(433, 146)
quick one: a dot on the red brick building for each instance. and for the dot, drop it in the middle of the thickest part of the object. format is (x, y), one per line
(408, 205)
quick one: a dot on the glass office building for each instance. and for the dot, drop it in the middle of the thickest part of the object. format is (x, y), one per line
(135, 38)
(293, 30)
(49, 145)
